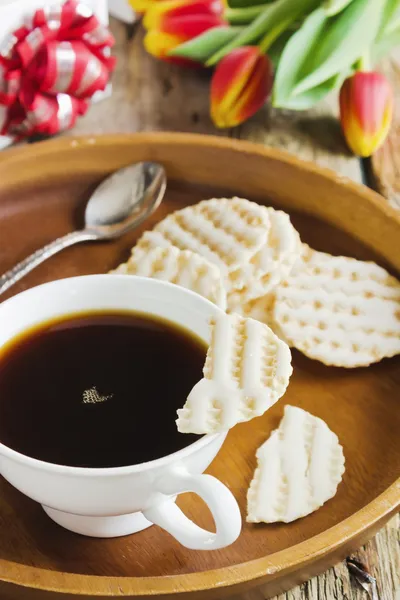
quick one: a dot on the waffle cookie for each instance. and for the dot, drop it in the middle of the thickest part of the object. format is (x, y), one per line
(247, 370)
(227, 232)
(339, 310)
(298, 469)
(180, 267)
(267, 267)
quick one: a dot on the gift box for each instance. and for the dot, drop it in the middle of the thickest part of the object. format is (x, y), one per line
(15, 14)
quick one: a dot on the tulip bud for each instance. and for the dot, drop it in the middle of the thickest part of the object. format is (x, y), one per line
(366, 109)
(141, 6)
(170, 9)
(241, 84)
(173, 31)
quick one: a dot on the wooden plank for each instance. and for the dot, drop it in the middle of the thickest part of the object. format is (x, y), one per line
(382, 558)
(151, 95)
(385, 164)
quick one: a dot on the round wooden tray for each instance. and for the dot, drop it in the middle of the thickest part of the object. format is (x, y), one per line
(43, 189)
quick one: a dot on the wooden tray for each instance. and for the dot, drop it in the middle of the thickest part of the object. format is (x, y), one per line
(43, 189)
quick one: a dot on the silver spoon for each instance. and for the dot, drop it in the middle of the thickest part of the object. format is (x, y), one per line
(120, 203)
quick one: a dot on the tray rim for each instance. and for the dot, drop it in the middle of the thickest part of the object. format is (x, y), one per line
(375, 513)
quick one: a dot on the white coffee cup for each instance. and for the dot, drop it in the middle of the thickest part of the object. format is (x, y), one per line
(111, 502)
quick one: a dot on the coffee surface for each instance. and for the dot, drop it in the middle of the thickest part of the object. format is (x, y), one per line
(98, 389)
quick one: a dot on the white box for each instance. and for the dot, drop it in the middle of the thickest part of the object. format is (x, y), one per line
(122, 10)
(12, 13)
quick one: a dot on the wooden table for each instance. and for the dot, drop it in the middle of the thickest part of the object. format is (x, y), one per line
(151, 95)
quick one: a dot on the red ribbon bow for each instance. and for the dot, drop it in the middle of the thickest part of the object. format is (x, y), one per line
(51, 67)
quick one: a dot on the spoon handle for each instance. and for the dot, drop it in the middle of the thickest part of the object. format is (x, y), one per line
(35, 259)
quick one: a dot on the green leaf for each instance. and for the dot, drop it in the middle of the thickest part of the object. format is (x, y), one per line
(345, 38)
(203, 46)
(390, 18)
(389, 32)
(270, 19)
(311, 97)
(394, 22)
(383, 46)
(296, 53)
(333, 7)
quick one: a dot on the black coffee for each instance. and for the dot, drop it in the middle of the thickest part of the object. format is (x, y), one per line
(98, 389)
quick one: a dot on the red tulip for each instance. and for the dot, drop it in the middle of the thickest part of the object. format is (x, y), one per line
(171, 9)
(366, 109)
(173, 22)
(240, 86)
(141, 6)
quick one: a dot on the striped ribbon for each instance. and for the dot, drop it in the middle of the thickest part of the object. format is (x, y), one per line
(51, 67)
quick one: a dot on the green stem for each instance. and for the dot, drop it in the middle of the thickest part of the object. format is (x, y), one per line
(273, 35)
(244, 3)
(243, 16)
(364, 63)
(271, 17)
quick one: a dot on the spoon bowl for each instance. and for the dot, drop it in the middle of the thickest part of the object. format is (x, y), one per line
(121, 202)
(141, 188)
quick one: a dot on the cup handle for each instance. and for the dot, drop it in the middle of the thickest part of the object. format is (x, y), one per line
(219, 500)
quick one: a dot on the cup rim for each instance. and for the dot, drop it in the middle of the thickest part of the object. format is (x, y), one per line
(204, 441)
